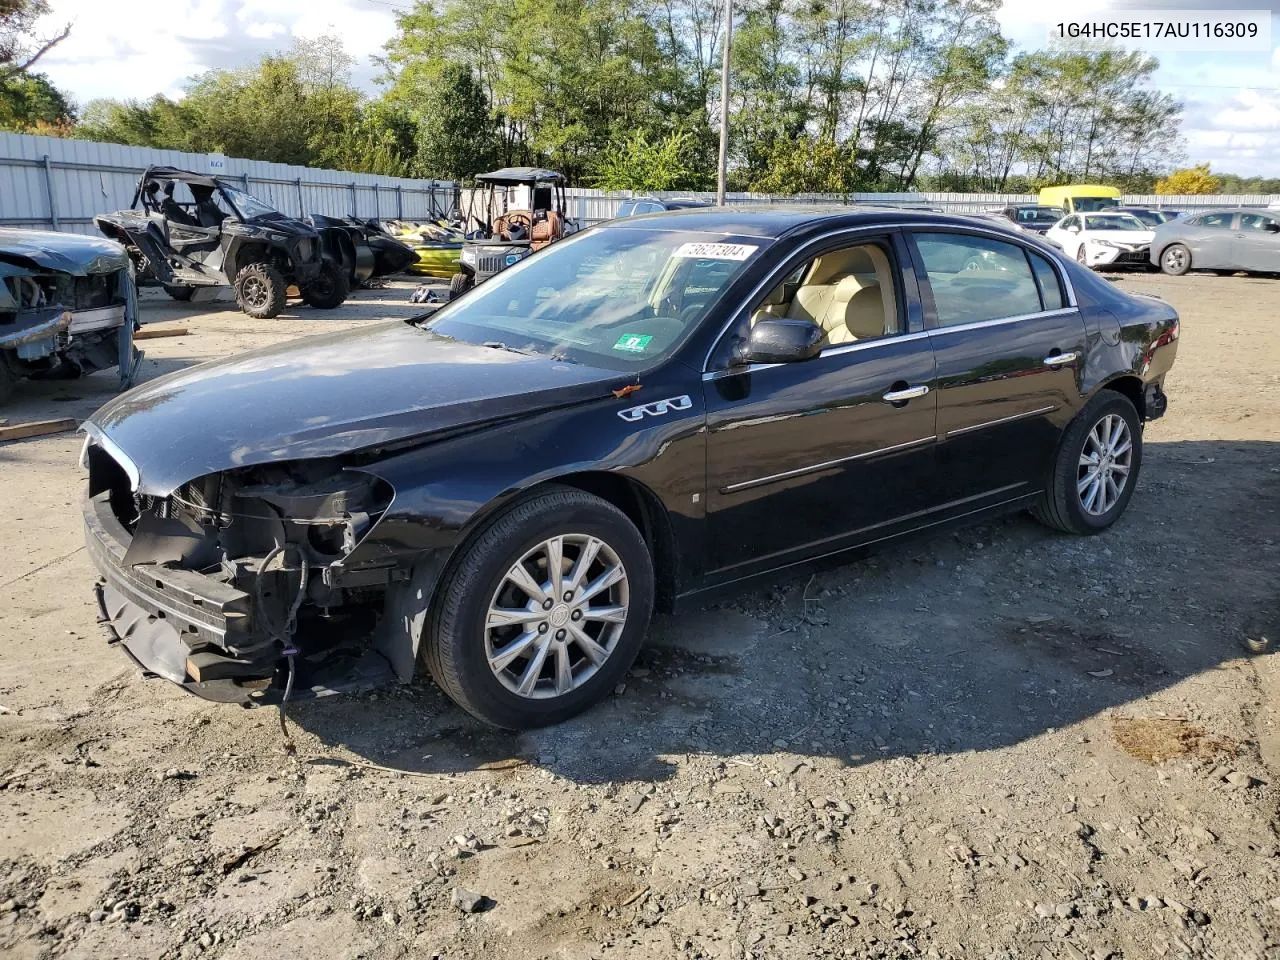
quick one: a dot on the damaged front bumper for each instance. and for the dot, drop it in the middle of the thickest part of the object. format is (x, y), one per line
(200, 632)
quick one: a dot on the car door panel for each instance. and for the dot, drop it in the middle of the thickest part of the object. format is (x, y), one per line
(1211, 246)
(803, 456)
(1002, 403)
(1253, 247)
(1003, 398)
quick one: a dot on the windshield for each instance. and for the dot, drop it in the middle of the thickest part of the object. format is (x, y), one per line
(1114, 221)
(1039, 215)
(611, 297)
(1088, 204)
(248, 206)
(1150, 217)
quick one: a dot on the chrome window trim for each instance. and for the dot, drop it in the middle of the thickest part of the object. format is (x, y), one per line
(1001, 321)
(1052, 255)
(828, 352)
(812, 468)
(1009, 419)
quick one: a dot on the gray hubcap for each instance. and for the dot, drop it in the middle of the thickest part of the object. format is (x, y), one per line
(1174, 259)
(1105, 463)
(556, 616)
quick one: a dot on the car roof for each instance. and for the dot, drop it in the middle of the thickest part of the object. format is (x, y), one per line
(771, 221)
(509, 176)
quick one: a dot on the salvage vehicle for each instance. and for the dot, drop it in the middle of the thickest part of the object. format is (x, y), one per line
(1031, 217)
(368, 249)
(504, 234)
(1225, 241)
(636, 206)
(653, 408)
(68, 306)
(224, 236)
(436, 248)
(1102, 239)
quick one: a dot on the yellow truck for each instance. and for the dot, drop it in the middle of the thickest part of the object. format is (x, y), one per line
(1080, 197)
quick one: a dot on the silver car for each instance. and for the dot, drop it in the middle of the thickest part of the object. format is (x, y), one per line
(1223, 240)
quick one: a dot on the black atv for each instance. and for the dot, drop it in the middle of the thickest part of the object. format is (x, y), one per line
(215, 234)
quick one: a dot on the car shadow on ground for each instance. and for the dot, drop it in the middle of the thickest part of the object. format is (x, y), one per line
(971, 641)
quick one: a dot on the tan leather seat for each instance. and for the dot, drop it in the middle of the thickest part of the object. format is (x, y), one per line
(856, 311)
(546, 230)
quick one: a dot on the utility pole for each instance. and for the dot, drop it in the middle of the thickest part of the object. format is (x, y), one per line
(724, 104)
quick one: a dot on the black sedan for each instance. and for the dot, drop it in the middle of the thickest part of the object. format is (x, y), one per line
(506, 490)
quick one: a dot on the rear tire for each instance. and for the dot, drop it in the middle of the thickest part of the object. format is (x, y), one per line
(260, 290)
(463, 635)
(180, 293)
(1175, 260)
(459, 284)
(1072, 502)
(328, 290)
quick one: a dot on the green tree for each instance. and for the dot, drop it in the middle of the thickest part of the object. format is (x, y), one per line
(639, 165)
(29, 103)
(20, 46)
(456, 134)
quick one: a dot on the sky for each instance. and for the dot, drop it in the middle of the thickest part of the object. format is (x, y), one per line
(1232, 100)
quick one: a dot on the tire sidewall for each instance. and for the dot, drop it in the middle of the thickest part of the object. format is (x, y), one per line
(332, 297)
(1107, 403)
(498, 549)
(275, 283)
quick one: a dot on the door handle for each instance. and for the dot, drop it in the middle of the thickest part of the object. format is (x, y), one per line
(1058, 359)
(909, 393)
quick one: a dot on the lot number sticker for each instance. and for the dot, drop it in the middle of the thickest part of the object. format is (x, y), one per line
(633, 342)
(716, 251)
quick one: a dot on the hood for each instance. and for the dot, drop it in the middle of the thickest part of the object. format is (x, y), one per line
(71, 253)
(1126, 238)
(328, 395)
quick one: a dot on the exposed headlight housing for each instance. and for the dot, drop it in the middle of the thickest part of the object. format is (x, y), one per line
(1105, 243)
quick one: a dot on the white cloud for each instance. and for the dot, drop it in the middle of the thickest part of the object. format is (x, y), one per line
(154, 46)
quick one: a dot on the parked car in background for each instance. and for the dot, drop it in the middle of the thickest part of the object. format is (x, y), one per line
(1152, 218)
(651, 409)
(639, 205)
(1080, 197)
(1102, 239)
(1032, 217)
(1222, 240)
(67, 307)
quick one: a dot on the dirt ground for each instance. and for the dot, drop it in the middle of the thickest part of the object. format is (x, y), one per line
(1003, 743)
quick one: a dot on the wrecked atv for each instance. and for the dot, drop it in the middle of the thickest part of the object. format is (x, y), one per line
(67, 307)
(186, 231)
(372, 252)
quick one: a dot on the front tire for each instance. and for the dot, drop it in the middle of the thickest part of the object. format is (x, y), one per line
(1096, 468)
(329, 290)
(180, 293)
(260, 290)
(1082, 258)
(542, 612)
(1175, 260)
(459, 284)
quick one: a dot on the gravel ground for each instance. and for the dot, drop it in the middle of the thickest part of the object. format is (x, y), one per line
(999, 743)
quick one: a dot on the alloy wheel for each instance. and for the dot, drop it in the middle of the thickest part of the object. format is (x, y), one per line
(1174, 259)
(1105, 463)
(556, 616)
(254, 291)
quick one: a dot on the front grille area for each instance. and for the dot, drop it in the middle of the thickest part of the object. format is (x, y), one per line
(1134, 256)
(490, 264)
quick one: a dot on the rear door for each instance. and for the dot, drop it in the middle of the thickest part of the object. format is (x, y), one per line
(1008, 344)
(1256, 243)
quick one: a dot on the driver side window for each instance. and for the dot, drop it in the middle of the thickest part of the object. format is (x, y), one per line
(849, 292)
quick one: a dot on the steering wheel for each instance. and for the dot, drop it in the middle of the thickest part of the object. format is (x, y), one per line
(520, 218)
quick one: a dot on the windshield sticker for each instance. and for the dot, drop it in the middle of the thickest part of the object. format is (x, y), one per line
(633, 342)
(716, 251)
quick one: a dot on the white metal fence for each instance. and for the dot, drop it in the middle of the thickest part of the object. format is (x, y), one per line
(592, 206)
(61, 184)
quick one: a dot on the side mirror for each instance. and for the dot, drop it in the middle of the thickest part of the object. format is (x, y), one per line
(779, 340)
(1074, 228)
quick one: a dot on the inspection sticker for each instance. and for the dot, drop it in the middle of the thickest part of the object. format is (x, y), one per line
(633, 342)
(716, 251)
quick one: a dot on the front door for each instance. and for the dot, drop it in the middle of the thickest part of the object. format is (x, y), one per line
(1009, 348)
(1256, 243)
(807, 458)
